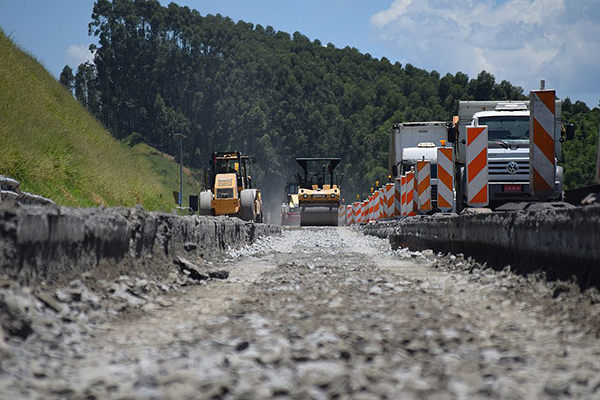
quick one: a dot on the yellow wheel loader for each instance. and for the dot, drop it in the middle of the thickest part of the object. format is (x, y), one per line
(231, 191)
(318, 191)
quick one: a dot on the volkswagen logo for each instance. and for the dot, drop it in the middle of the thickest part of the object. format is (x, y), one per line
(512, 167)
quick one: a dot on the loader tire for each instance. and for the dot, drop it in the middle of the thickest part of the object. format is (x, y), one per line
(247, 198)
(204, 206)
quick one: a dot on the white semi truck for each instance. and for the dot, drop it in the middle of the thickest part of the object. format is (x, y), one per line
(508, 150)
(414, 141)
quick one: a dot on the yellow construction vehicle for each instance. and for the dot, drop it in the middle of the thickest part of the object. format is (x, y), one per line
(230, 188)
(318, 191)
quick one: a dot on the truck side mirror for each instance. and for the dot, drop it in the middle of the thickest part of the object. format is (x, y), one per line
(570, 134)
(395, 170)
(451, 133)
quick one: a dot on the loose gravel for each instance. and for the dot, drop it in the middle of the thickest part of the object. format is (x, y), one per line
(315, 313)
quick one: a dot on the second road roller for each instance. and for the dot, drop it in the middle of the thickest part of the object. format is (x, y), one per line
(319, 191)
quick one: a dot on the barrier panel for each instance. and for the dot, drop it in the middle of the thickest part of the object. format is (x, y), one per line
(349, 215)
(410, 194)
(477, 166)
(424, 186)
(445, 179)
(342, 215)
(356, 212)
(389, 198)
(542, 172)
(376, 206)
(403, 196)
(365, 211)
(381, 204)
(397, 197)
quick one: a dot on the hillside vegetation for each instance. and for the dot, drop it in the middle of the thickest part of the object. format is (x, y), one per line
(55, 148)
(239, 86)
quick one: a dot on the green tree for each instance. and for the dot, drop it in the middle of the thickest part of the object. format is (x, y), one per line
(66, 78)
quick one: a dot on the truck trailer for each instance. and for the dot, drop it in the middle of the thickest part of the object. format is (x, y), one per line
(415, 141)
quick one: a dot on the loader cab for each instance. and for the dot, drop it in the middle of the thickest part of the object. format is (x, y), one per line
(234, 166)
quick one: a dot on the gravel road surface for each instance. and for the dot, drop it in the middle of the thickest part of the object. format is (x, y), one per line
(315, 313)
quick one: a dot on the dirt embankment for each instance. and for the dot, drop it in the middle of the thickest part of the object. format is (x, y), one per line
(562, 243)
(57, 244)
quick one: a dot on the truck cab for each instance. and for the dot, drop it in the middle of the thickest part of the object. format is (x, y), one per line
(416, 141)
(508, 125)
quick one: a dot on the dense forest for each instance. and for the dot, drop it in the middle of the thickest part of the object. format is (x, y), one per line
(238, 86)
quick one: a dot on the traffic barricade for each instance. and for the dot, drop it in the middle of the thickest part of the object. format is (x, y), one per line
(445, 179)
(477, 166)
(397, 197)
(403, 196)
(542, 122)
(376, 205)
(349, 215)
(389, 198)
(410, 194)
(342, 215)
(356, 212)
(424, 186)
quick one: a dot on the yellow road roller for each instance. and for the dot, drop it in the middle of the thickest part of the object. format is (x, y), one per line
(318, 191)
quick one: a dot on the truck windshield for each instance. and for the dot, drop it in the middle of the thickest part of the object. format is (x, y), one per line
(506, 128)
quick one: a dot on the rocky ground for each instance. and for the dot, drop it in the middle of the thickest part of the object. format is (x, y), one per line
(313, 314)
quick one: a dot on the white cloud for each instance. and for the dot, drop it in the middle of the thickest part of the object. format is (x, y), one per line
(79, 54)
(517, 40)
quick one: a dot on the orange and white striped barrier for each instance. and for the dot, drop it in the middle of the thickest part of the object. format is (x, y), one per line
(381, 204)
(356, 212)
(349, 215)
(377, 207)
(410, 194)
(397, 197)
(477, 166)
(424, 185)
(445, 179)
(389, 198)
(371, 207)
(403, 195)
(365, 211)
(542, 172)
(342, 215)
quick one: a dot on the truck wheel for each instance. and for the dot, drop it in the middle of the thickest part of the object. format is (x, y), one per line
(247, 212)
(205, 207)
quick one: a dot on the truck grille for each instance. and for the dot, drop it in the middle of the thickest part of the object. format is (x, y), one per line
(498, 171)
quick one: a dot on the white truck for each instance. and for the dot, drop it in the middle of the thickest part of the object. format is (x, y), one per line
(411, 142)
(508, 150)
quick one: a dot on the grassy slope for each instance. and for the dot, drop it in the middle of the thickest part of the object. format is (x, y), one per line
(168, 172)
(55, 148)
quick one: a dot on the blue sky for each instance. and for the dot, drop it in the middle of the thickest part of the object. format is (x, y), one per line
(517, 40)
